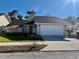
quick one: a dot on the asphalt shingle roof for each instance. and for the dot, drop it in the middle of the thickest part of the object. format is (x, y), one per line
(48, 19)
(18, 22)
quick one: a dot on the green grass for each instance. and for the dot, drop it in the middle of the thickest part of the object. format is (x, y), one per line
(4, 39)
(15, 37)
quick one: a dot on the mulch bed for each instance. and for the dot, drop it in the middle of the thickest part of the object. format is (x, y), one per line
(21, 48)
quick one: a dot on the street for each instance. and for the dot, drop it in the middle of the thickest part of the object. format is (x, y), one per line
(41, 55)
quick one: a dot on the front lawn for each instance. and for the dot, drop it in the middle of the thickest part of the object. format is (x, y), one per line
(18, 37)
(4, 39)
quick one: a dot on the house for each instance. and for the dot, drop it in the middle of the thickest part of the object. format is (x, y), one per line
(4, 20)
(73, 26)
(30, 28)
(47, 26)
(15, 26)
(76, 29)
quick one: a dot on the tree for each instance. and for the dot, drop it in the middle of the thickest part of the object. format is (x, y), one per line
(13, 14)
(20, 17)
(30, 14)
(27, 17)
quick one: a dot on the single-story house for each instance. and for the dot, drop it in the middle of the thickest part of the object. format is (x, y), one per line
(15, 26)
(49, 26)
(39, 25)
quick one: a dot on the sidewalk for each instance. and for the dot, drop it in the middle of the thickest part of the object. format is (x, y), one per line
(19, 43)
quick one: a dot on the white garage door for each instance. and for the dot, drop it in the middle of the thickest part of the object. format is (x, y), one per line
(51, 30)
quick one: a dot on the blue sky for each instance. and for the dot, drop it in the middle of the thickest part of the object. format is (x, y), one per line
(43, 7)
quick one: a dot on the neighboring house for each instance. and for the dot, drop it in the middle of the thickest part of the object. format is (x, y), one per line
(73, 25)
(4, 19)
(49, 26)
(15, 26)
(76, 28)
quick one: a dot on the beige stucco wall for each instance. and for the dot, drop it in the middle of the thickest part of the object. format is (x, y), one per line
(4, 21)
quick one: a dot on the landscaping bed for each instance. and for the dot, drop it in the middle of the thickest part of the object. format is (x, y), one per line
(21, 48)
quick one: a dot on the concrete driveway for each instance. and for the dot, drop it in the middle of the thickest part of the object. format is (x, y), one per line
(70, 44)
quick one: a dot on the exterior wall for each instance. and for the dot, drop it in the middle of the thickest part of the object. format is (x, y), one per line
(11, 29)
(16, 30)
(76, 30)
(19, 29)
(69, 27)
(0, 30)
(27, 28)
(38, 29)
(24, 29)
(4, 21)
(77, 27)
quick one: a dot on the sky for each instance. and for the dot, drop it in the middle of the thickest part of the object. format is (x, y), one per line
(59, 8)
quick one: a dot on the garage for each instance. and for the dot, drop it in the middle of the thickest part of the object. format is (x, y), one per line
(51, 30)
